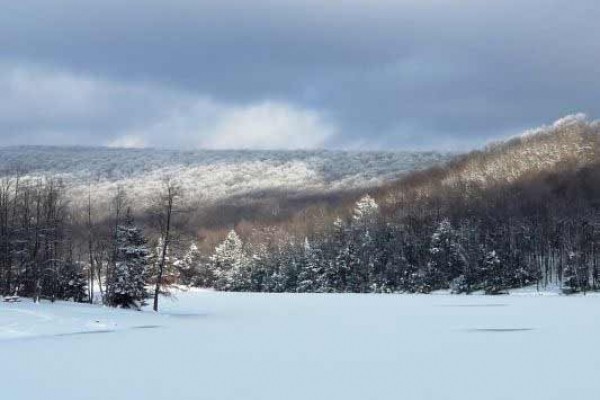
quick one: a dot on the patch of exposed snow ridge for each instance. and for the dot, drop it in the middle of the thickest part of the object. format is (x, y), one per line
(568, 120)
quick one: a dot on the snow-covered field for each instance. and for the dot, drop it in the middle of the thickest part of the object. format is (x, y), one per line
(208, 345)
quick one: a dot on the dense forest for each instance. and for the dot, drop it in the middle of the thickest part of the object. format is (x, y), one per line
(517, 213)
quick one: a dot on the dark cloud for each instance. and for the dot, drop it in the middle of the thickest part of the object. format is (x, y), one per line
(406, 73)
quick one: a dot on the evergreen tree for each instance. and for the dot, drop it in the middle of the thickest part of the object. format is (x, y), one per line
(575, 277)
(447, 256)
(190, 267)
(72, 282)
(309, 276)
(365, 211)
(392, 269)
(231, 265)
(289, 264)
(494, 277)
(362, 247)
(337, 270)
(354, 280)
(128, 288)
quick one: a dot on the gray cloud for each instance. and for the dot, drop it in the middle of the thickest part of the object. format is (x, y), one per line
(48, 107)
(356, 73)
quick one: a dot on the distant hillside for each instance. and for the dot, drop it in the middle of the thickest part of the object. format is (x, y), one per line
(570, 140)
(341, 168)
(567, 146)
(543, 170)
(211, 178)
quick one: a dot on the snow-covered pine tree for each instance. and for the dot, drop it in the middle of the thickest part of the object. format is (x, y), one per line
(390, 264)
(189, 267)
(264, 275)
(354, 280)
(310, 272)
(72, 282)
(365, 211)
(336, 268)
(277, 267)
(368, 252)
(128, 289)
(289, 265)
(361, 246)
(263, 269)
(575, 274)
(494, 279)
(277, 279)
(230, 264)
(447, 257)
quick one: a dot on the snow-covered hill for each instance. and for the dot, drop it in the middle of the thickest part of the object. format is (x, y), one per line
(211, 175)
(572, 141)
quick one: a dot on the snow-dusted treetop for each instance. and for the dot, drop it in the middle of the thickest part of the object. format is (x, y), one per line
(231, 249)
(567, 120)
(366, 208)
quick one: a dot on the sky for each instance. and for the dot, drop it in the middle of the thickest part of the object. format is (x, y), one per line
(289, 74)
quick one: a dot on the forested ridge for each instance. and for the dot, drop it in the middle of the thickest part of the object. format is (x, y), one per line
(520, 212)
(517, 213)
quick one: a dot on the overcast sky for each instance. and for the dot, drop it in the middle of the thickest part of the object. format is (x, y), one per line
(347, 74)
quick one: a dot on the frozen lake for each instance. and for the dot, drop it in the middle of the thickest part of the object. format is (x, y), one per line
(207, 345)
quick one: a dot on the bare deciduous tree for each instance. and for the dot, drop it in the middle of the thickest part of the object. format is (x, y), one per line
(164, 210)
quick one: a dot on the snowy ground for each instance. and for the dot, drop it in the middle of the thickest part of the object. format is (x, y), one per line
(208, 345)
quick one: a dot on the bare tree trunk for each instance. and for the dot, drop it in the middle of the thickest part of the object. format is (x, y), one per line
(170, 195)
(119, 203)
(36, 245)
(90, 247)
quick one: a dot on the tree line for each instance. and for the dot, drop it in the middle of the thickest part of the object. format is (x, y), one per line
(371, 253)
(51, 249)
